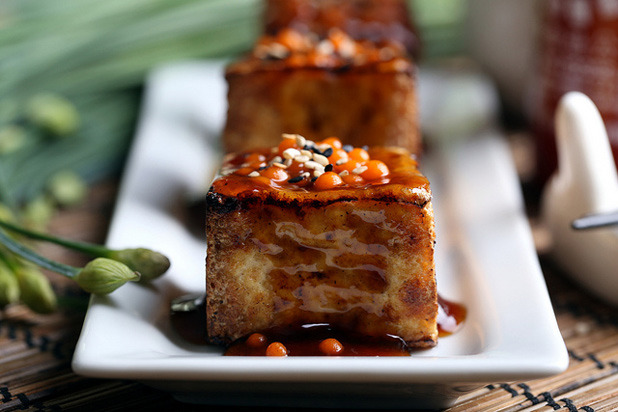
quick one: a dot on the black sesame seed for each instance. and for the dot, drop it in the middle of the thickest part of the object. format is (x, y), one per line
(313, 179)
(328, 168)
(328, 152)
(365, 148)
(308, 147)
(315, 150)
(262, 167)
(295, 179)
(348, 148)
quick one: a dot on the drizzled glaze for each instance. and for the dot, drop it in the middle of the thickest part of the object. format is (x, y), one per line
(305, 340)
(292, 49)
(357, 168)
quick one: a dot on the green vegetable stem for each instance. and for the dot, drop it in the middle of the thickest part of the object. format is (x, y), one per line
(148, 263)
(99, 276)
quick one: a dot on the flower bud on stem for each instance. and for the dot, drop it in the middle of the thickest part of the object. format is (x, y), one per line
(148, 263)
(100, 276)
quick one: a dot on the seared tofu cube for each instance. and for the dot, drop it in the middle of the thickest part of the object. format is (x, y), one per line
(284, 250)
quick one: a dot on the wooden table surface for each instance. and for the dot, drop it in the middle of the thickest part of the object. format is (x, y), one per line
(36, 350)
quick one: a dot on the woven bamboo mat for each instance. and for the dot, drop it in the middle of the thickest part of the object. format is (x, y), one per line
(36, 351)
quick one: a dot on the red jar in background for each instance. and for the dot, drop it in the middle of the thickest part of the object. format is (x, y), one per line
(578, 51)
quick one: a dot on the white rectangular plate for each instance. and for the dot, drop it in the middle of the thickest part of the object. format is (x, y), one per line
(485, 260)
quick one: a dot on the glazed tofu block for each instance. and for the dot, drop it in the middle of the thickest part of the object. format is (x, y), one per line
(360, 91)
(348, 241)
(374, 20)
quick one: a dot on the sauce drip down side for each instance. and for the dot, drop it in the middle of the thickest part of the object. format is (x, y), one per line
(188, 319)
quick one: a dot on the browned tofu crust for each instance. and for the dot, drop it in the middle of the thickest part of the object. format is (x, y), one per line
(372, 107)
(355, 258)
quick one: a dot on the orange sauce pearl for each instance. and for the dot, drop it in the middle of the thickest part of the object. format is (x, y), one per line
(358, 154)
(255, 157)
(286, 144)
(274, 173)
(332, 142)
(337, 155)
(353, 179)
(331, 347)
(327, 180)
(244, 171)
(350, 165)
(375, 170)
(256, 340)
(276, 349)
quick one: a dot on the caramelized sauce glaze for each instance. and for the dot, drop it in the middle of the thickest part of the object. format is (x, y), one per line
(292, 49)
(304, 340)
(238, 174)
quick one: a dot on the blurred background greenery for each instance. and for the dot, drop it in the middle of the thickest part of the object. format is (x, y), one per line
(72, 71)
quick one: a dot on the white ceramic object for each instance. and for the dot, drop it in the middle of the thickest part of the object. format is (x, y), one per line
(586, 182)
(485, 259)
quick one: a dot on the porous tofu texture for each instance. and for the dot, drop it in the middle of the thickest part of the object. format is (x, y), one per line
(355, 258)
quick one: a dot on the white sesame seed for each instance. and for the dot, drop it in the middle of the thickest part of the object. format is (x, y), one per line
(301, 159)
(290, 153)
(281, 165)
(325, 47)
(288, 162)
(308, 153)
(323, 146)
(305, 174)
(341, 161)
(344, 173)
(254, 174)
(288, 136)
(321, 159)
(278, 50)
(360, 170)
(300, 141)
(313, 165)
(276, 159)
(318, 173)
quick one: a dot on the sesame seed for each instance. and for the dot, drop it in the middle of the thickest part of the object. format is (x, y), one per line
(290, 153)
(328, 152)
(276, 159)
(348, 148)
(342, 161)
(313, 165)
(288, 136)
(318, 173)
(281, 165)
(344, 173)
(328, 168)
(322, 147)
(306, 153)
(296, 179)
(313, 179)
(278, 51)
(305, 174)
(360, 170)
(321, 159)
(301, 159)
(325, 47)
(300, 140)
(254, 174)
(288, 162)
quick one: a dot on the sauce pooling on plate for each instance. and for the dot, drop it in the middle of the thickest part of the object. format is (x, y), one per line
(188, 319)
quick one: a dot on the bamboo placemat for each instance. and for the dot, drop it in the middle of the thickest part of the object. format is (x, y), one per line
(36, 351)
